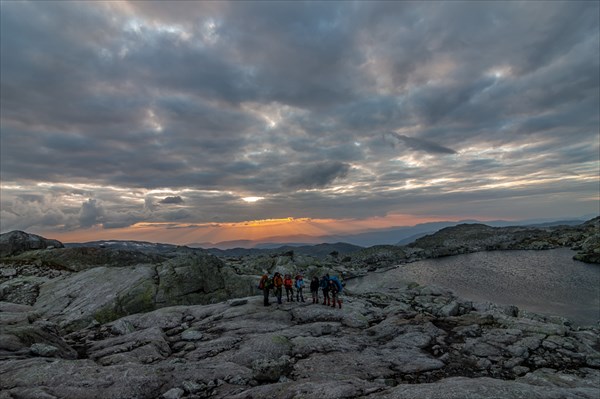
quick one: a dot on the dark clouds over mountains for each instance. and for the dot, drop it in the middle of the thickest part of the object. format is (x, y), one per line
(118, 113)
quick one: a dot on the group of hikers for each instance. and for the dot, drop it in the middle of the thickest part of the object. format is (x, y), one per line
(330, 286)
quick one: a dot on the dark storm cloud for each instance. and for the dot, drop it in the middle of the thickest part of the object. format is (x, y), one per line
(302, 52)
(316, 176)
(221, 97)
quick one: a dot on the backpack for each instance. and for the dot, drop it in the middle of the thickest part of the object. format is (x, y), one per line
(265, 283)
(269, 283)
(337, 283)
(299, 283)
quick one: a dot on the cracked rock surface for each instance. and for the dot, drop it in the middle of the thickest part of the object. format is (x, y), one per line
(405, 347)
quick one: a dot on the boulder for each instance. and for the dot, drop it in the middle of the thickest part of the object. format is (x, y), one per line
(189, 279)
(271, 370)
(43, 350)
(105, 293)
(101, 293)
(191, 335)
(16, 242)
(122, 327)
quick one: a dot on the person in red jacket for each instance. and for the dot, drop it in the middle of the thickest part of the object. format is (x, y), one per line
(288, 283)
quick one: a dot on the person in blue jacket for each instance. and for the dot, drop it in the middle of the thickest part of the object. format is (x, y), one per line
(299, 283)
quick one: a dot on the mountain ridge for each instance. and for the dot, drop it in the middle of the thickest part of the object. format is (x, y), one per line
(385, 236)
(407, 234)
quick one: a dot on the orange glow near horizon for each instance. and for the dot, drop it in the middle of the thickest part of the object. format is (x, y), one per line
(253, 230)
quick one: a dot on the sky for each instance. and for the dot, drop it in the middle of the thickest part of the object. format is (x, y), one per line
(185, 122)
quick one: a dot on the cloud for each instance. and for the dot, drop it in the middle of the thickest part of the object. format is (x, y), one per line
(149, 204)
(423, 145)
(90, 213)
(138, 102)
(31, 198)
(317, 176)
(172, 200)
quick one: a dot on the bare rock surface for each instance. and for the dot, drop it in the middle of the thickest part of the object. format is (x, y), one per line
(242, 349)
(465, 238)
(99, 293)
(188, 325)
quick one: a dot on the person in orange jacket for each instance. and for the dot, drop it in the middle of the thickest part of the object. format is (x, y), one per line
(278, 284)
(265, 284)
(289, 290)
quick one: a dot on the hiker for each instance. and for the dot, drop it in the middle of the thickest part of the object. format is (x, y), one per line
(278, 284)
(325, 287)
(335, 289)
(299, 288)
(265, 285)
(314, 289)
(288, 284)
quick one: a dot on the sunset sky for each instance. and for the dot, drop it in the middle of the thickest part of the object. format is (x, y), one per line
(185, 122)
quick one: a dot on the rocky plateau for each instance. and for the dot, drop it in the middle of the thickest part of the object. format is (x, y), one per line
(181, 323)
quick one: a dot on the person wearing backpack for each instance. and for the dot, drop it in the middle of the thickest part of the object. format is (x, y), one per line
(335, 289)
(265, 284)
(288, 284)
(299, 284)
(325, 287)
(314, 289)
(278, 285)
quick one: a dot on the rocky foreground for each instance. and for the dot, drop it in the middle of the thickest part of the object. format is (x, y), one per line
(413, 342)
(181, 323)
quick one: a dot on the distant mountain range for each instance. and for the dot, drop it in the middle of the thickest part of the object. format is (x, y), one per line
(318, 251)
(317, 246)
(400, 235)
